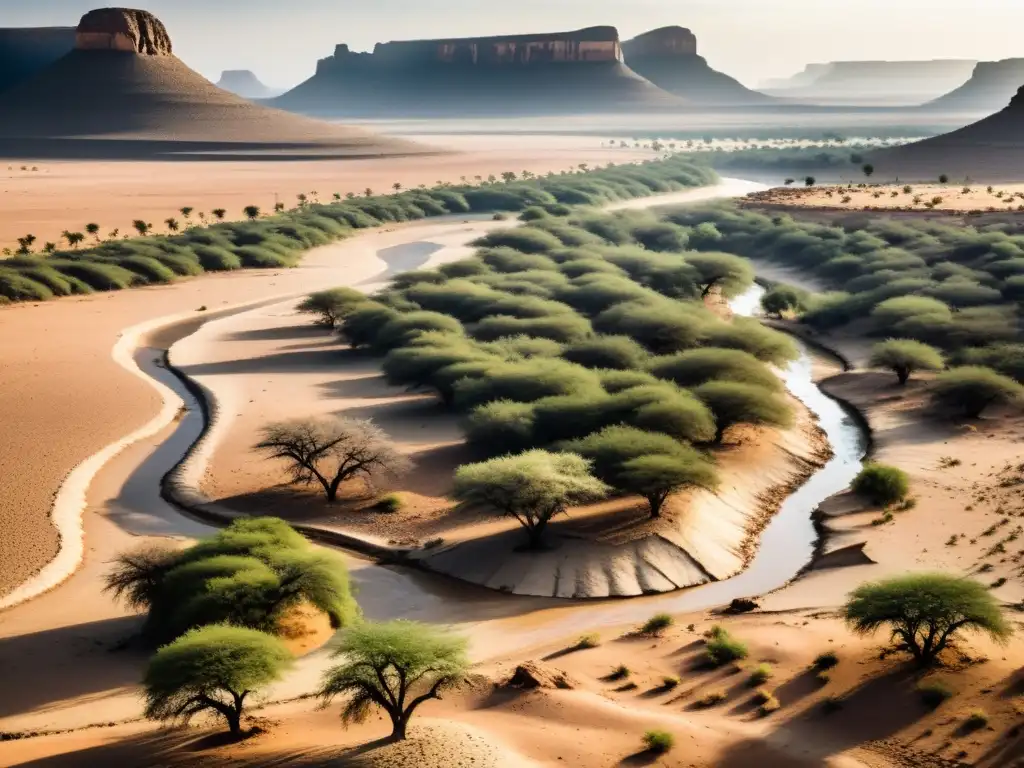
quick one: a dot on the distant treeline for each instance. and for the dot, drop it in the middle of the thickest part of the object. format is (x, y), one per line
(959, 288)
(280, 239)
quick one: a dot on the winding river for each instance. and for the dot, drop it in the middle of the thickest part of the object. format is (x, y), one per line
(504, 622)
(497, 624)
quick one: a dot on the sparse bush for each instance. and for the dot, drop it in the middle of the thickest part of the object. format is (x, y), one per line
(657, 624)
(722, 648)
(699, 366)
(934, 693)
(331, 305)
(621, 672)
(969, 390)
(882, 484)
(710, 699)
(976, 720)
(826, 660)
(390, 504)
(659, 742)
(607, 352)
(590, 640)
(760, 675)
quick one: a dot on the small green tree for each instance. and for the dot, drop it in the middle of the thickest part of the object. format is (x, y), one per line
(810, 181)
(73, 238)
(532, 487)
(925, 611)
(219, 213)
(94, 230)
(186, 212)
(789, 182)
(658, 477)
(904, 356)
(397, 186)
(331, 305)
(943, 179)
(214, 669)
(172, 224)
(730, 274)
(330, 451)
(252, 212)
(141, 227)
(783, 298)
(25, 244)
(736, 403)
(868, 169)
(396, 666)
(970, 389)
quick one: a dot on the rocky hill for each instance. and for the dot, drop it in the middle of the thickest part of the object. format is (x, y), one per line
(874, 82)
(991, 85)
(668, 58)
(244, 83)
(26, 51)
(569, 72)
(991, 149)
(123, 84)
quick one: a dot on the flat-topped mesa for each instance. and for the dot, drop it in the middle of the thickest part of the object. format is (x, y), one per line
(665, 42)
(594, 44)
(123, 29)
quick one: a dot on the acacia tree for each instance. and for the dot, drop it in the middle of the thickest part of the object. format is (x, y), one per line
(141, 227)
(93, 229)
(970, 389)
(331, 305)
(252, 212)
(904, 356)
(330, 451)
(74, 238)
(868, 169)
(734, 403)
(925, 611)
(219, 213)
(658, 477)
(532, 487)
(730, 274)
(172, 224)
(397, 666)
(215, 669)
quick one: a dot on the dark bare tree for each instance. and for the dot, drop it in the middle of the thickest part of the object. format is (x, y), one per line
(330, 451)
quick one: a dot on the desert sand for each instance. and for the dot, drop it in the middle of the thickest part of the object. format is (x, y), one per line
(956, 197)
(880, 723)
(66, 195)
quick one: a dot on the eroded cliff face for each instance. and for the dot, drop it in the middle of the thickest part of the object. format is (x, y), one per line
(666, 42)
(123, 29)
(595, 44)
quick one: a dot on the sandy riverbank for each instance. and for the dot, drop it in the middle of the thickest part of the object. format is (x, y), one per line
(956, 197)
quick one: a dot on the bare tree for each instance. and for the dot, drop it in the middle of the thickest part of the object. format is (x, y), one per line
(330, 451)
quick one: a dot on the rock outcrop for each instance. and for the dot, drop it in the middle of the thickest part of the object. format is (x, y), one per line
(668, 58)
(123, 29)
(989, 150)
(244, 83)
(27, 51)
(991, 85)
(543, 73)
(909, 83)
(122, 84)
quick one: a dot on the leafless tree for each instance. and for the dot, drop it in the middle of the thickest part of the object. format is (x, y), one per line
(330, 451)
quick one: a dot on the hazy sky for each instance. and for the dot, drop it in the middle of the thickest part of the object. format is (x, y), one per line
(750, 39)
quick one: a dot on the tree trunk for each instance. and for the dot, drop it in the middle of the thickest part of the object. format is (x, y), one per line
(399, 725)
(903, 374)
(656, 503)
(536, 535)
(234, 717)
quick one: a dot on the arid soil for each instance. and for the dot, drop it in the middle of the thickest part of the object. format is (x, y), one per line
(956, 197)
(47, 197)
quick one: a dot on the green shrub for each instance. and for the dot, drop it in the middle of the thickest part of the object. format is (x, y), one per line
(589, 640)
(783, 298)
(657, 624)
(607, 352)
(826, 660)
(501, 426)
(618, 381)
(976, 720)
(148, 269)
(97, 275)
(390, 504)
(934, 693)
(699, 366)
(882, 484)
(523, 239)
(749, 335)
(661, 328)
(710, 699)
(260, 257)
(735, 403)
(760, 675)
(524, 382)
(216, 258)
(969, 390)
(565, 328)
(331, 305)
(904, 356)
(722, 648)
(659, 742)
(18, 287)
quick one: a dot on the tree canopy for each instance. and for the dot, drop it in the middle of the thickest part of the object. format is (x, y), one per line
(532, 487)
(925, 612)
(251, 574)
(971, 389)
(905, 356)
(212, 669)
(396, 666)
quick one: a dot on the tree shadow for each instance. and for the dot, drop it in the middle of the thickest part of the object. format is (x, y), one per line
(299, 361)
(796, 688)
(643, 757)
(82, 661)
(286, 333)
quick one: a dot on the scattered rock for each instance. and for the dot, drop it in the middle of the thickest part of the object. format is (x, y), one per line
(532, 674)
